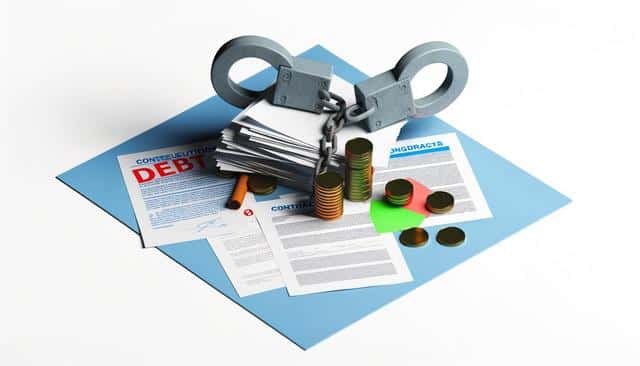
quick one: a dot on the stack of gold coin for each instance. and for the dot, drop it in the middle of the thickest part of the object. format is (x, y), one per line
(398, 192)
(357, 171)
(328, 196)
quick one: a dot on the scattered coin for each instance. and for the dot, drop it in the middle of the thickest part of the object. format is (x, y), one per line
(398, 192)
(262, 184)
(450, 236)
(414, 237)
(328, 196)
(439, 202)
(358, 172)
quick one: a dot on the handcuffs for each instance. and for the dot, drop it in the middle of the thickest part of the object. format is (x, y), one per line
(303, 84)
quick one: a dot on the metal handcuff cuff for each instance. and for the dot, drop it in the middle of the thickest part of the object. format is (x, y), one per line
(303, 84)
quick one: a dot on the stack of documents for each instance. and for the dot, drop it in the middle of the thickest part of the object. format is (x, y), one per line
(285, 143)
(277, 242)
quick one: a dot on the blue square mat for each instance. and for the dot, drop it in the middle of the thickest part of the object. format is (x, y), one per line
(516, 199)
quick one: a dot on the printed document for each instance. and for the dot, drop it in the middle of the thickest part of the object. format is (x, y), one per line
(177, 197)
(317, 256)
(439, 163)
(285, 143)
(247, 259)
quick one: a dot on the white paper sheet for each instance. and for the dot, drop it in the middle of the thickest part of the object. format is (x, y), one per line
(307, 127)
(177, 197)
(247, 259)
(316, 255)
(439, 163)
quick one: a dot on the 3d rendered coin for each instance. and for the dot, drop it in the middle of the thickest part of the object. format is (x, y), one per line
(262, 184)
(414, 237)
(439, 202)
(328, 196)
(450, 236)
(398, 192)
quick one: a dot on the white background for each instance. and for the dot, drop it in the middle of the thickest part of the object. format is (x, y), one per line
(553, 87)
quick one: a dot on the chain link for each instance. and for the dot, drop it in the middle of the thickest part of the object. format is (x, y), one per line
(335, 122)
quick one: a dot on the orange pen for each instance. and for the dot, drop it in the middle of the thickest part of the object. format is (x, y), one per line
(239, 191)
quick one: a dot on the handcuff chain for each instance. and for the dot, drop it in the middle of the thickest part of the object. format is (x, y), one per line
(334, 123)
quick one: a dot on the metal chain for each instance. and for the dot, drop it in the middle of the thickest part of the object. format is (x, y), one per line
(355, 113)
(335, 122)
(339, 116)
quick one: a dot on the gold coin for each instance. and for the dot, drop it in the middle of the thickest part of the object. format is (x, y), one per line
(358, 153)
(439, 202)
(358, 191)
(329, 213)
(357, 166)
(398, 198)
(359, 198)
(398, 187)
(414, 237)
(261, 184)
(398, 192)
(355, 158)
(358, 172)
(329, 196)
(363, 175)
(359, 194)
(328, 206)
(265, 192)
(450, 236)
(358, 184)
(355, 188)
(330, 217)
(329, 180)
(358, 146)
(329, 209)
(329, 199)
(358, 188)
(337, 211)
(320, 188)
(322, 200)
(398, 202)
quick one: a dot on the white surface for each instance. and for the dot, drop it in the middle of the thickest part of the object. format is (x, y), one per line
(553, 87)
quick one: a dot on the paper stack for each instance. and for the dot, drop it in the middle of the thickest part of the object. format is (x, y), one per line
(284, 142)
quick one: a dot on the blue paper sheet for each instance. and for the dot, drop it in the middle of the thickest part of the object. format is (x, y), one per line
(516, 198)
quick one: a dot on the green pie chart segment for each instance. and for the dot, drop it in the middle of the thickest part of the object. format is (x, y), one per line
(387, 218)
